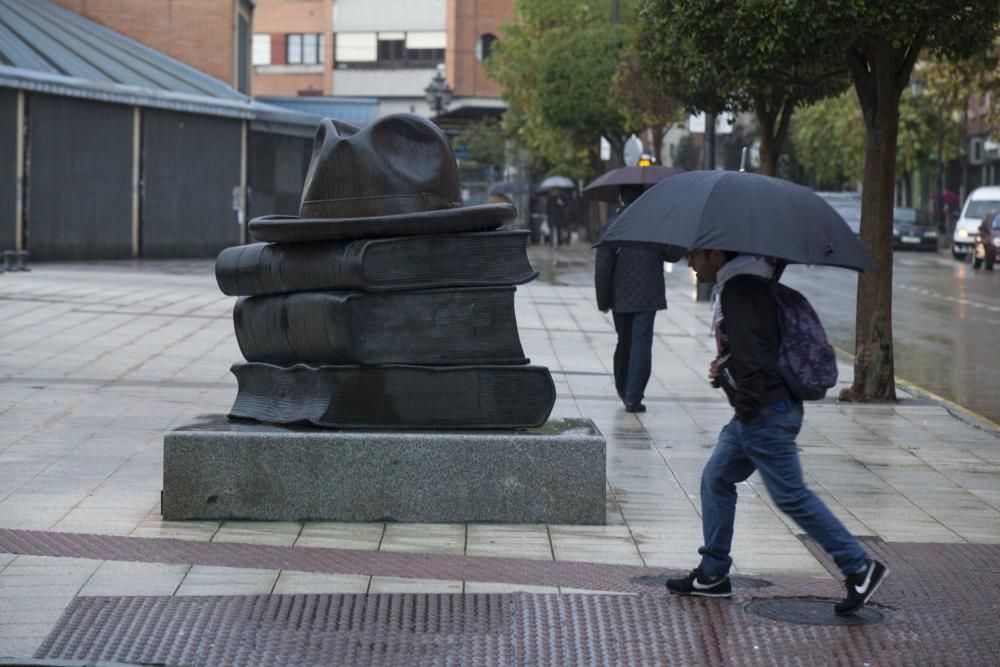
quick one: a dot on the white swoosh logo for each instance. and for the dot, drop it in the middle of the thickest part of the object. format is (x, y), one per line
(863, 587)
(704, 587)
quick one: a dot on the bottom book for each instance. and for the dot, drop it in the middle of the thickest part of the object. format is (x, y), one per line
(395, 396)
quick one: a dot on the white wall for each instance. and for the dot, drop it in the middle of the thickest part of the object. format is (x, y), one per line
(387, 15)
(382, 82)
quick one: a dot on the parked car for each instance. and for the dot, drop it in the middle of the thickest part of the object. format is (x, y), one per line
(912, 229)
(848, 205)
(980, 202)
(986, 243)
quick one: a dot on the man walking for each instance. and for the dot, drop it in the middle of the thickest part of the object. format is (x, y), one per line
(629, 282)
(761, 435)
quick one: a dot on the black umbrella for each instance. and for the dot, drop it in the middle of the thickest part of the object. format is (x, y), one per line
(742, 212)
(605, 187)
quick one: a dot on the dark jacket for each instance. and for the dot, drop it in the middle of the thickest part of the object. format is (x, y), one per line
(749, 338)
(630, 279)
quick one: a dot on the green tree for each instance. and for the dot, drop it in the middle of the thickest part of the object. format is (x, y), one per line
(883, 40)
(829, 140)
(485, 143)
(574, 86)
(641, 102)
(543, 61)
(717, 56)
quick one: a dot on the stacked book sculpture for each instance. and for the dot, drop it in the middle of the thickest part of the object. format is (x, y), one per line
(385, 303)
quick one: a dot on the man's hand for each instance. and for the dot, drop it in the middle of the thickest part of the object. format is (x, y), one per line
(713, 373)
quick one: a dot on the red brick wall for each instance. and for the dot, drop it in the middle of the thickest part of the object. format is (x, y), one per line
(200, 33)
(467, 20)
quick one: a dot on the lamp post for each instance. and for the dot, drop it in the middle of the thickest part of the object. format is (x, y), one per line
(438, 92)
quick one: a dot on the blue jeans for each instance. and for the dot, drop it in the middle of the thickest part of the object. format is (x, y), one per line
(633, 361)
(767, 443)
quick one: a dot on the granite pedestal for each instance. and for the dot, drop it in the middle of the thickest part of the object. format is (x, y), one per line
(222, 469)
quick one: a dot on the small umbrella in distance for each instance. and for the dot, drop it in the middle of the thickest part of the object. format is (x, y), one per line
(506, 188)
(742, 212)
(605, 187)
(553, 182)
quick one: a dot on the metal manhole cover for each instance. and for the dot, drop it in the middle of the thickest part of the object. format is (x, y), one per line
(739, 583)
(814, 611)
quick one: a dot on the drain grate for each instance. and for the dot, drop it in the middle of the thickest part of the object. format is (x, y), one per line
(814, 611)
(739, 583)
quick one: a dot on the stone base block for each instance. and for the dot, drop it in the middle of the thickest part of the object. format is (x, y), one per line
(222, 469)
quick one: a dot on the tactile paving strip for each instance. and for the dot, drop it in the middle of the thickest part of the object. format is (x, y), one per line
(493, 629)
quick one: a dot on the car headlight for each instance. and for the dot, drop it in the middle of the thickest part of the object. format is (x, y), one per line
(996, 241)
(963, 233)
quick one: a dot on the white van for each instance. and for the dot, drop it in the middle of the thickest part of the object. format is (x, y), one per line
(979, 203)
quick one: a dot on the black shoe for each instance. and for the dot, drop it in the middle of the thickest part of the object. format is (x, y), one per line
(697, 583)
(635, 407)
(861, 586)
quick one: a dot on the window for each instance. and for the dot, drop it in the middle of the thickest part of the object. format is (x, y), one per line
(304, 49)
(242, 55)
(356, 47)
(390, 49)
(484, 45)
(261, 49)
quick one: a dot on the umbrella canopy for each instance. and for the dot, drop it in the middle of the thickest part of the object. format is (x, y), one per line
(605, 187)
(506, 188)
(553, 182)
(742, 212)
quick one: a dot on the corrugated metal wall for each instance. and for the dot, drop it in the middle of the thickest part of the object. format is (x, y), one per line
(276, 172)
(78, 179)
(190, 165)
(8, 167)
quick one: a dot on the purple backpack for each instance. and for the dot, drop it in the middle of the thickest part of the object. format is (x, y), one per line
(806, 360)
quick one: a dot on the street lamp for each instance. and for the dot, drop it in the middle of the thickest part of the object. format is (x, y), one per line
(438, 93)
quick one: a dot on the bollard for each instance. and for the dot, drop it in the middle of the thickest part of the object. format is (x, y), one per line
(704, 292)
(8, 261)
(22, 260)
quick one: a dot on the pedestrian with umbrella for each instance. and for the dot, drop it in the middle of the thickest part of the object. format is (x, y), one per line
(629, 282)
(740, 230)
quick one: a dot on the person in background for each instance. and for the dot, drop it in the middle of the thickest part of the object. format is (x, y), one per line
(629, 283)
(555, 211)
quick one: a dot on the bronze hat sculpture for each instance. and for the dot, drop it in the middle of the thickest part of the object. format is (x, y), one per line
(395, 177)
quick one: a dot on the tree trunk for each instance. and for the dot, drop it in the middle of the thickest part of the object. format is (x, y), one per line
(659, 132)
(768, 151)
(773, 120)
(879, 72)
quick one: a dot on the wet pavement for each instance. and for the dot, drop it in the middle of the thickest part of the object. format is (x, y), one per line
(98, 361)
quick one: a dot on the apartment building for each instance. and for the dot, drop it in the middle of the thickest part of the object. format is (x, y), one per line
(210, 35)
(369, 58)
(292, 48)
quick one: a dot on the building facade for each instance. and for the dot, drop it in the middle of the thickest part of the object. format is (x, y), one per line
(293, 48)
(210, 35)
(388, 51)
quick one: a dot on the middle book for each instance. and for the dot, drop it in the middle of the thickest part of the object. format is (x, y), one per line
(428, 327)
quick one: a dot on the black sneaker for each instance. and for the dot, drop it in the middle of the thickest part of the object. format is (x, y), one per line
(861, 586)
(697, 583)
(635, 407)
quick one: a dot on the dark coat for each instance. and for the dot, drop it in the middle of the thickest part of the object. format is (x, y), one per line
(749, 338)
(630, 279)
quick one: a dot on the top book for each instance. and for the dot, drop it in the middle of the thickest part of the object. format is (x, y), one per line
(474, 259)
(477, 259)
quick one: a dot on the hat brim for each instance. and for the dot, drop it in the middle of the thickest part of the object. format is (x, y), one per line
(289, 229)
